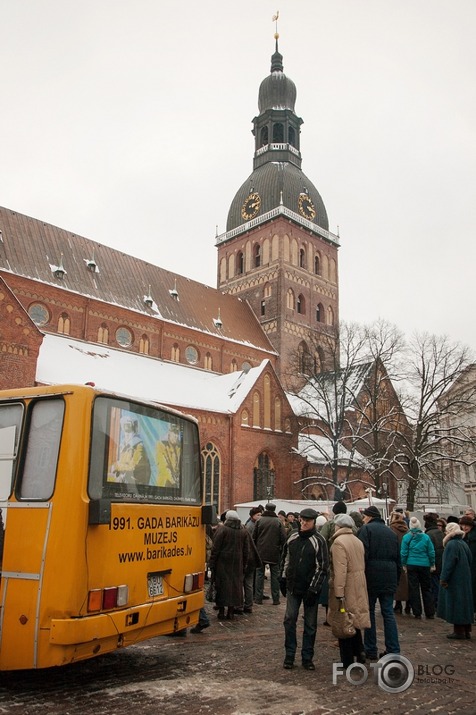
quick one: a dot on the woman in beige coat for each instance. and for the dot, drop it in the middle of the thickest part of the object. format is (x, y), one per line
(348, 582)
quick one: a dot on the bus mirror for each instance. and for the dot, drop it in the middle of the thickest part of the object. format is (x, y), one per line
(209, 514)
(99, 511)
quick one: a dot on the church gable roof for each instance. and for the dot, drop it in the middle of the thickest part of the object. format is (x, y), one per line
(51, 255)
(63, 360)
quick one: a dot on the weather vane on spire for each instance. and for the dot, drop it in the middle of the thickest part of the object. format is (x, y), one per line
(275, 19)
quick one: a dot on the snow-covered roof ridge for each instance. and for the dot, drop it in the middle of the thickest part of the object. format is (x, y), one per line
(66, 360)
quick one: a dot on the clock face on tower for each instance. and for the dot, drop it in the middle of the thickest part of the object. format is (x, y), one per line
(306, 207)
(251, 206)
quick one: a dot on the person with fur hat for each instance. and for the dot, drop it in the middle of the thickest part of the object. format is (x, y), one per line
(400, 528)
(418, 558)
(382, 573)
(228, 560)
(303, 568)
(348, 586)
(468, 525)
(455, 601)
(269, 536)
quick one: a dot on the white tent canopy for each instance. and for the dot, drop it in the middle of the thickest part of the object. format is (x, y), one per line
(383, 505)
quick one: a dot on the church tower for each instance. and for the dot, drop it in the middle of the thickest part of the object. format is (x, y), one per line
(277, 252)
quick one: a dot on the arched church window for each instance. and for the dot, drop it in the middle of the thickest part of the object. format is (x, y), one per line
(144, 345)
(267, 402)
(263, 477)
(317, 265)
(330, 316)
(256, 409)
(304, 358)
(264, 138)
(64, 324)
(240, 263)
(302, 258)
(103, 334)
(208, 362)
(257, 255)
(263, 308)
(267, 291)
(278, 133)
(301, 304)
(290, 299)
(320, 313)
(233, 365)
(292, 136)
(211, 463)
(175, 353)
(277, 414)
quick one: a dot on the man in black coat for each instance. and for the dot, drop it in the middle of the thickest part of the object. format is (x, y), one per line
(303, 569)
(269, 536)
(382, 571)
(436, 536)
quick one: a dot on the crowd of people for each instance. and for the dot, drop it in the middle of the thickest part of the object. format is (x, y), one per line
(346, 563)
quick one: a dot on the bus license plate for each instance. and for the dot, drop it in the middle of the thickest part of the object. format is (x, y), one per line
(155, 584)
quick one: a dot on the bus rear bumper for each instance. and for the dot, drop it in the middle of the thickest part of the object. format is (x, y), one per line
(129, 625)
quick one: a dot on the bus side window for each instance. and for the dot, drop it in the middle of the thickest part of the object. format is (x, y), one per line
(44, 437)
(10, 425)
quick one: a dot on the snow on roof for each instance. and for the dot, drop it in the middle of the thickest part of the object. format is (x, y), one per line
(326, 393)
(318, 450)
(65, 360)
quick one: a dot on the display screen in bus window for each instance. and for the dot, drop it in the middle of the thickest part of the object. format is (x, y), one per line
(149, 453)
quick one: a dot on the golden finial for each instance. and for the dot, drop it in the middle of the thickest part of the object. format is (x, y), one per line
(275, 19)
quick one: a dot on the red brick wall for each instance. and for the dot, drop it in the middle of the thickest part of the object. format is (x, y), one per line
(20, 342)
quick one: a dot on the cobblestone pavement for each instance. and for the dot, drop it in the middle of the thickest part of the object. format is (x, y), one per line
(235, 668)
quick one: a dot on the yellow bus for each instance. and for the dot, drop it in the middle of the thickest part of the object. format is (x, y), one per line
(104, 529)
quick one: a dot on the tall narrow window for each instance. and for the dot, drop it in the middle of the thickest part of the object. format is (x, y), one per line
(256, 409)
(64, 324)
(103, 334)
(264, 136)
(292, 136)
(240, 263)
(302, 258)
(208, 362)
(301, 304)
(263, 477)
(144, 345)
(211, 463)
(267, 402)
(263, 307)
(175, 353)
(290, 299)
(317, 265)
(278, 133)
(277, 414)
(257, 255)
(233, 366)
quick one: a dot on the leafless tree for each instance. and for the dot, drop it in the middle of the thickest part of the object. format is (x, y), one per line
(439, 433)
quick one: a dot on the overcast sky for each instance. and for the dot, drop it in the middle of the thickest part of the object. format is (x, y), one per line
(129, 122)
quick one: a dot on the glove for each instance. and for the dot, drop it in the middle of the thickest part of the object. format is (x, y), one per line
(282, 586)
(310, 598)
(432, 569)
(404, 568)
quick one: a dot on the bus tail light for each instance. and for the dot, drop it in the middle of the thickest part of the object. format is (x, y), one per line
(104, 599)
(193, 581)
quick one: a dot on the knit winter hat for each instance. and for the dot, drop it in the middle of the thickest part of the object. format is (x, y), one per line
(233, 515)
(467, 520)
(321, 520)
(415, 523)
(343, 520)
(373, 512)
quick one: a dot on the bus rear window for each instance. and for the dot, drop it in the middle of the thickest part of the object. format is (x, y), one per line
(142, 453)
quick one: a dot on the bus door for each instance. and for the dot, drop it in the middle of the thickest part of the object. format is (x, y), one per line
(27, 516)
